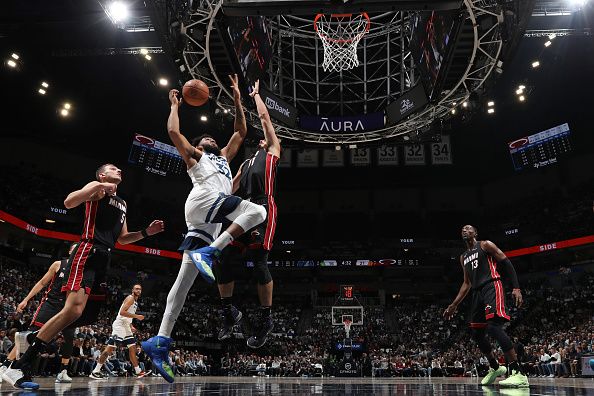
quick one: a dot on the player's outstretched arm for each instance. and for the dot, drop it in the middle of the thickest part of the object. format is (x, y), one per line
(464, 289)
(93, 191)
(272, 141)
(505, 264)
(189, 153)
(240, 125)
(41, 283)
(127, 237)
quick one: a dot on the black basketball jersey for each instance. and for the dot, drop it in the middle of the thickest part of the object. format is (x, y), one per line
(258, 176)
(53, 292)
(104, 220)
(480, 266)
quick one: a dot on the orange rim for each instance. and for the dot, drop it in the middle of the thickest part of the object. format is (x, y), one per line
(324, 37)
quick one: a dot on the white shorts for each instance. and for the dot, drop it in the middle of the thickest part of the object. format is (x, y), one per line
(205, 207)
(121, 332)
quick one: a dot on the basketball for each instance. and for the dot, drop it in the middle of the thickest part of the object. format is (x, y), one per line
(195, 92)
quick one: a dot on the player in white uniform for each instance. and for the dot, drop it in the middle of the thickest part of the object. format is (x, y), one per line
(209, 203)
(121, 333)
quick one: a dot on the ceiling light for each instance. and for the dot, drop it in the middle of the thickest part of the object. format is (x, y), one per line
(203, 118)
(50, 221)
(535, 64)
(163, 82)
(11, 63)
(67, 106)
(552, 36)
(453, 111)
(41, 91)
(288, 251)
(225, 111)
(522, 98)
(491, 103)
(519, 91)
(44, 84)
(143, 51)
(15, 56)
(406, 137)
(465, 104)
(491, 111)
(454, 103)
(148, 57)
(522, 87)
(64, 113)
(548, 43)
(118, 11)
(337, 148)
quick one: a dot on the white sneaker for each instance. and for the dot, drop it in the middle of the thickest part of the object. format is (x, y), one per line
(63, 377)
(20, 342)
(3, 368)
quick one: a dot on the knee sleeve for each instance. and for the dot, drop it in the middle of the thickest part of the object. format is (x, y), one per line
(479, 336)
(224, 268)
(68, 346)
(496, 331)
(261, 271)
(247, 215)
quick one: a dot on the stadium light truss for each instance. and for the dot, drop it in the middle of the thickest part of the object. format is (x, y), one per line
(483, 60)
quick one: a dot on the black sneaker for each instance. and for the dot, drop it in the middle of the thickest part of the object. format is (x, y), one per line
(229, 320)
(263, 329)
(97, 375)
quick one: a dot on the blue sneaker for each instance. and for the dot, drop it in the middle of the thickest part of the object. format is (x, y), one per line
(157, 348)
(19, 380)
(203, 259)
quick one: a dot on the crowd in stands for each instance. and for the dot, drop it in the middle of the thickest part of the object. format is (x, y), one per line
(552, 331)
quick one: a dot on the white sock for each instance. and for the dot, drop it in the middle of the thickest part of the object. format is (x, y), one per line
(137, 370)
(177, 295)
(222, 241)
(97, 367)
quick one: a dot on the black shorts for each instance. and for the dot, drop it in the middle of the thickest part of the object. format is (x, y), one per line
(88, 266)
(262, 235)
(488, 302)
(49, 308)
(45, 311)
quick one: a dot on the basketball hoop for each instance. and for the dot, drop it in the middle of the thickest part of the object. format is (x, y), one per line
(340, 34)
(347, 322)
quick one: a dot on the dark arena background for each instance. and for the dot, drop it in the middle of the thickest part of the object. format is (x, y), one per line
(474, 112)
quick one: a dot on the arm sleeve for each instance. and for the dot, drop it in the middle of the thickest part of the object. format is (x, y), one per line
(510, 271)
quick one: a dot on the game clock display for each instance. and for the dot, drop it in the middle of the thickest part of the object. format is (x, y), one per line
(156, 157)
(346, 292)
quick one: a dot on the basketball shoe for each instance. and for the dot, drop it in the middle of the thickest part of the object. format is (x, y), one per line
(493, 374)
(157, 348)
(203, 259)
(230, 319)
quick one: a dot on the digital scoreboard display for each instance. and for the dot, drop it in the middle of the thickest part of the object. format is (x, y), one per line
(540, 149)
(346, 292)
(156, 157)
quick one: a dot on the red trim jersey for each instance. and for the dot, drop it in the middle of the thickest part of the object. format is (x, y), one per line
(480, 266)
(104, 220)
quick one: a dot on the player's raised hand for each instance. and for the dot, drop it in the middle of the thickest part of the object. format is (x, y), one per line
(173, 99)
(235, 86)
(450, 311)
(155, 227)
(255, 89)
(517, 294)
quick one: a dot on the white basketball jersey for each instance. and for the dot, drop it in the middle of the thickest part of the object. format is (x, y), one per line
(131, 310)
(211, 173)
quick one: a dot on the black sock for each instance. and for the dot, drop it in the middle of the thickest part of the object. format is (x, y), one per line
(226, 303)
(265, 311)
(31, 336)
(493, 363)
(64, 367)
(36, 347)
(515, 366)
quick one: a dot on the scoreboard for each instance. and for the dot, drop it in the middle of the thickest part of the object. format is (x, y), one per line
(540, 149)
(156, 157)
(346, 293)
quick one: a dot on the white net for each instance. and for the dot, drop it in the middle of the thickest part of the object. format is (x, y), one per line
(340, 34)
